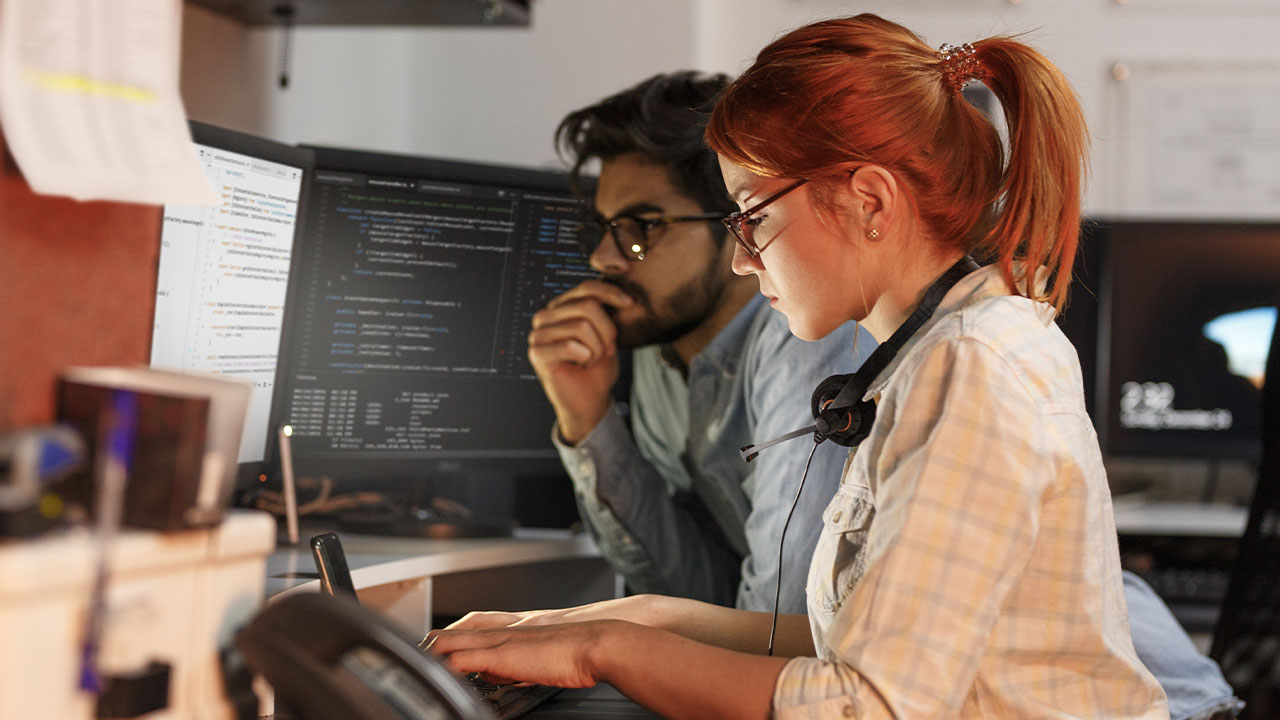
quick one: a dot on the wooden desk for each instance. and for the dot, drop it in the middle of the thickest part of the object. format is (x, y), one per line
(412, 579)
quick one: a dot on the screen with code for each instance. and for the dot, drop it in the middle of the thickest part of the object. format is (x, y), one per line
(223, 270)
(412, 299)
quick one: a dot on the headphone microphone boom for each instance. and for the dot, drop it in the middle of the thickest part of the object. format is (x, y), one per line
(840, 413)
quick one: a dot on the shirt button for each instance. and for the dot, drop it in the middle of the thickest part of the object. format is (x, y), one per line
(847, 711)
(836, 518)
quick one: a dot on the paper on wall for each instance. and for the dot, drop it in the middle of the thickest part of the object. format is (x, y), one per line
(89, 100)
(1194, 139)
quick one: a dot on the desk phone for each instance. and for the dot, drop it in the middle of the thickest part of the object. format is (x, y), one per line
(328, 658)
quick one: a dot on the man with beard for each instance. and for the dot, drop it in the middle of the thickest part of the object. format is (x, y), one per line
(669, 500)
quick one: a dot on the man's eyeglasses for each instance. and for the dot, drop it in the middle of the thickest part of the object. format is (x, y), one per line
(630, 233)
(743, 226)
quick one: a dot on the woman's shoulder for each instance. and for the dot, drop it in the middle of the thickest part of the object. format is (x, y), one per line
(1020, 336)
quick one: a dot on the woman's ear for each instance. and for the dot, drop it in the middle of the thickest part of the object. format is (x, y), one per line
(874, 199)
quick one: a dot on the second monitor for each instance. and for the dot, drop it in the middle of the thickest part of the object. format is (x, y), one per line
(223, 271)
(403, 365)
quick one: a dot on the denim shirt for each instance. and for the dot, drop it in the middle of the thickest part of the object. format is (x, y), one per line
(674, 507)
(1192, 682)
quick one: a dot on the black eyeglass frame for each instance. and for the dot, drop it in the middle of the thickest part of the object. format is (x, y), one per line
(645, 224)
(739, 222)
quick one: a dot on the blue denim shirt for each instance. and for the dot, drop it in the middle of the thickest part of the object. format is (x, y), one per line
(673, 506)
(1192, 682)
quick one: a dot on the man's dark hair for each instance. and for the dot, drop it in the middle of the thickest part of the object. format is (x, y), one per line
(662, 118)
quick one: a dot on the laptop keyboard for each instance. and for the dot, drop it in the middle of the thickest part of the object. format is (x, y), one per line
(510, 701)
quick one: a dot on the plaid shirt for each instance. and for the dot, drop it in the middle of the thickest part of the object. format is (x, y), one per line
(986, 581)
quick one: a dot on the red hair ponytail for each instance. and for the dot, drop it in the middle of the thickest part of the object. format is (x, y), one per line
(831, 96)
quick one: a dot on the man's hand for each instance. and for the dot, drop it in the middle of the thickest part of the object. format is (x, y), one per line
(574, 351)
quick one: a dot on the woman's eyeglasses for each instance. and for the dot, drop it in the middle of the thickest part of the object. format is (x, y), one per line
(630, 233)
(742, 225)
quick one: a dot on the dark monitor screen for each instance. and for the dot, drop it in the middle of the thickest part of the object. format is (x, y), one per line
(223, 270)
(404, 360)
(1185, 317)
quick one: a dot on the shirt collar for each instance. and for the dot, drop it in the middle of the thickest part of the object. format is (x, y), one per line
(724, 352)
(981, 284)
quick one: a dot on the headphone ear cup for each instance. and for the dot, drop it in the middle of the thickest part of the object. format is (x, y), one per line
(845, 426)
(827, 391)
(858, 421)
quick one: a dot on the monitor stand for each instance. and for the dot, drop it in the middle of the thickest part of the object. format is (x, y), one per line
(421, 525)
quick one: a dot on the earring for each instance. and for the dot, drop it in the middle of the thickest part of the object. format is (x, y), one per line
(872, 234)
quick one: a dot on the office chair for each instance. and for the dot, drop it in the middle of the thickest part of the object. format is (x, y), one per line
(1246, 641)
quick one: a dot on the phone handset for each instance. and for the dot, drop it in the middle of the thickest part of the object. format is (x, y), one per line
(328, 658)
(331, 563)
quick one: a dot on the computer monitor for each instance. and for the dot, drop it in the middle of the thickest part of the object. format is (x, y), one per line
(223, 270)
(404, 364)
(1184, 312)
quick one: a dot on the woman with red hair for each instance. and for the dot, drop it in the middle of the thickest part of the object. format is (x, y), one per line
(968, 565)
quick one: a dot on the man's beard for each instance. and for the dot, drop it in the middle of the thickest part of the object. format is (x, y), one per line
(687, 307)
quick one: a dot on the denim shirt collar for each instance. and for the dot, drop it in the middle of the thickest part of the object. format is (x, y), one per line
(724, 352)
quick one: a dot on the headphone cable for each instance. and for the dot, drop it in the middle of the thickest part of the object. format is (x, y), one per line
(777, 591)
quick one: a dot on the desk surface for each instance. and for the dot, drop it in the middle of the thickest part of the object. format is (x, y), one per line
(408, 579)
(379, 560)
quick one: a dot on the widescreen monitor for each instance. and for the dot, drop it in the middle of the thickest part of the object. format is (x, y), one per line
(404, 365)
(223, 270)
(1185, 313)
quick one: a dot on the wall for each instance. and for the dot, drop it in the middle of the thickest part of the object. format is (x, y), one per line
(77, 286)
(225, 71)
(1083, 37)
(483, 93)
(496, 94)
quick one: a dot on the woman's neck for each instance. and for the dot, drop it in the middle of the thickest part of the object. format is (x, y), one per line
(902, 295)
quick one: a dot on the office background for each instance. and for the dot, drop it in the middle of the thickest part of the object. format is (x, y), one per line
(496, 93)
(77, 279)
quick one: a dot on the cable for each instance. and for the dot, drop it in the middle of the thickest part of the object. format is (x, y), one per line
(777, 592)
(285, 15)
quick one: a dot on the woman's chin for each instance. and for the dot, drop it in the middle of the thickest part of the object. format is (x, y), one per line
(804, 331)
(810, 330)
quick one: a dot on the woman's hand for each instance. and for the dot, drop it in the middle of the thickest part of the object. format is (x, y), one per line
(636, 609)
(672, 675)
(560, 655)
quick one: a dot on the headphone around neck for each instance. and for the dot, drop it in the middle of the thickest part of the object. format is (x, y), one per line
(839, 412)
